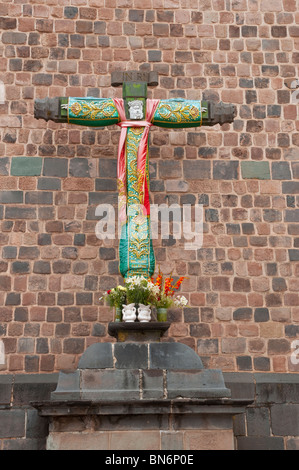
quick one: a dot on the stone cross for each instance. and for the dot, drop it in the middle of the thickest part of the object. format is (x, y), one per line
(134, 114)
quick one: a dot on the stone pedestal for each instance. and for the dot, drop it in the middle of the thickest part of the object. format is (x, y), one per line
(140, 395)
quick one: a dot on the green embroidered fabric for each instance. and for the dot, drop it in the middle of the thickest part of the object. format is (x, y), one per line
(93, 112)
(178, 113)
(136, 254)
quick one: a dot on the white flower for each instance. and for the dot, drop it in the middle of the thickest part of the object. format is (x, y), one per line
(180, 301)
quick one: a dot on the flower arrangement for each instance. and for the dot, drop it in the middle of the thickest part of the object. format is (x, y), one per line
(139, 293)
(164, 297)
(116, 297)
(140, 290)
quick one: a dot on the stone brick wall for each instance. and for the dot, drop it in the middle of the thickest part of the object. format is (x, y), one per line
(243, 284)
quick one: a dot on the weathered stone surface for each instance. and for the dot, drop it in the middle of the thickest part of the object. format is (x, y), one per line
(112, 384)
(277, 388)
(209, 440)
(12, 423)
(196, 384)
(97, 356)
(78, 441)
(33, 387)
(153, 384)
(131, 355)
(241, 384)
(68, 387)
(173, 356)
(6, 383)
(260, 443)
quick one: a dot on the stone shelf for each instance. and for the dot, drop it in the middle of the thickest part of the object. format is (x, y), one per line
(138, 331)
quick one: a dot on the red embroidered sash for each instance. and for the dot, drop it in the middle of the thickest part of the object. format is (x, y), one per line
(151, 106)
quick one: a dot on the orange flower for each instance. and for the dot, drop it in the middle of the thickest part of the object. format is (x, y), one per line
(179, 282)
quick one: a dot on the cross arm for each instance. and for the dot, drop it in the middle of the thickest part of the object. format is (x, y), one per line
(179, 113)
(94, 112)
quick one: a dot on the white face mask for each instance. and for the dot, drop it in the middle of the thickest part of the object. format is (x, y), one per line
(136, 109)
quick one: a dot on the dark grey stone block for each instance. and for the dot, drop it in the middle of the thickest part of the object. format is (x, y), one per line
(6, 382)
(197, 169)
(55, 167)
(239, 425)
(80, 167)
(196, 384)
(258, 421)
(36, 426)
(294, 255)
(260, 443)
(11, 197)
(173, 356)
(132, 422)
(285, 419)
(24, 444)
(281, 171)
(9, 252)
(131, 356)
(13, 212)
(53, 184)
(277, 388)
(153, 384)
(223, 170)
(97, 356)
(202, 421)
(242, 314)
(68, 387)
(37, 197)
(241, 384)
(12, 423)
(107, 384)
(32, 388)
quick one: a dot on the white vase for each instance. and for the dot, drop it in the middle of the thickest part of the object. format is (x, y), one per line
(129, 313)
(144, 313)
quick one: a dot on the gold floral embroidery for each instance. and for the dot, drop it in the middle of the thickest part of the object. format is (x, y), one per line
(93, 110)
(76, 108)
(179, 112)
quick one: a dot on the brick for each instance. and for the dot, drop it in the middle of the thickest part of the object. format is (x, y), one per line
(70, 12)
(196, 169)
(291, 215)
(13, 37)
(12, 212)
(26, 166)
(11, 197)
(242, 314)
(38, 197)
(255, 170)
(42, 79)
(233, 345)
(225, 170)
(136, 15)
(289, 425)
(55, 167)
(281, 171)
(291, 187)
(261, 315)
